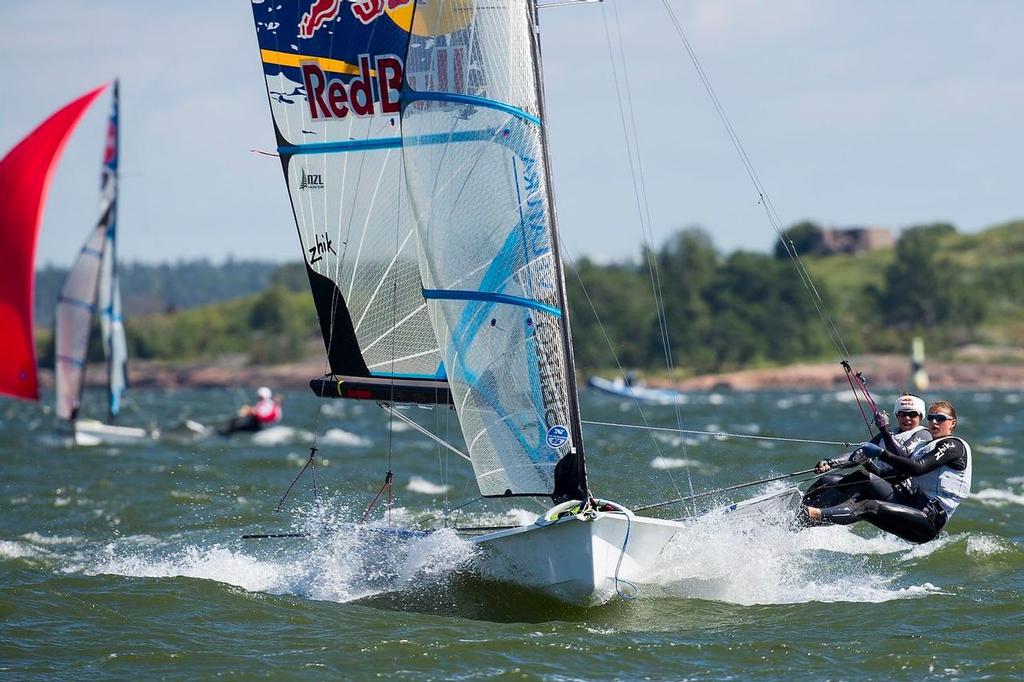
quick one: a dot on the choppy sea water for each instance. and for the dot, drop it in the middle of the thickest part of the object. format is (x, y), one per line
(123, 561)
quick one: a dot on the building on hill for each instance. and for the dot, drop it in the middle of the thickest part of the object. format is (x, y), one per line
(851, 240)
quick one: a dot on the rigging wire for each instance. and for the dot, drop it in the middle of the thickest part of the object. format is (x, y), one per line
(829, 323)
(627, 120)
(718, 434)
(763, 198)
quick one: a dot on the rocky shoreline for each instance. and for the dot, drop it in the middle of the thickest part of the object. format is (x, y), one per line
(883, 371)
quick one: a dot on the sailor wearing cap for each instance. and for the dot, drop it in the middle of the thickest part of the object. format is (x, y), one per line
(940, 473)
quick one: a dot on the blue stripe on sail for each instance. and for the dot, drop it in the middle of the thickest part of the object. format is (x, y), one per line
(75, 362)
(92, 252)
(464, 295)
(413, 95)
(345, 146)
(404, 375)
(77, 303)
(342, 146)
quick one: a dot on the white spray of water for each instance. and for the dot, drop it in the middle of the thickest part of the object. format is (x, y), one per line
(763, 560)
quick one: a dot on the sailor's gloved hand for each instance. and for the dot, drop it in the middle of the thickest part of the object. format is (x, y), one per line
(865, 452)
(823, 466)
(881, 421)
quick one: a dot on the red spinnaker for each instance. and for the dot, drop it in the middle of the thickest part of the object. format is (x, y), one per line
(24, 180)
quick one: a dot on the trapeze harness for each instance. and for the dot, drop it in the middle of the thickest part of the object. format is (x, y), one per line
(941, 471)
(908, 440)
(832, 489)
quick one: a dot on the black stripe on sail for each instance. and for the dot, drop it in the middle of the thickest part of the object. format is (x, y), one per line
(389, 390)
(339, 333)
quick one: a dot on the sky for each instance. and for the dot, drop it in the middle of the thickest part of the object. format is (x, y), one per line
(869, 113)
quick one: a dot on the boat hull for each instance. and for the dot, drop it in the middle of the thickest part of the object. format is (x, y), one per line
(89, 432)
(583, 559)
(645, 394)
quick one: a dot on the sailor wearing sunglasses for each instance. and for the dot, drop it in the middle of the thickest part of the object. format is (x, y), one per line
(834, 489)
(940, 472)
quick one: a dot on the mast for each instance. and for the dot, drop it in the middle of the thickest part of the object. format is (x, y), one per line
(111, 313)
(571, 474)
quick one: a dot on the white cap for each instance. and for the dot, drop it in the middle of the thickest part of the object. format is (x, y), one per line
(909, 403)
(264, 392)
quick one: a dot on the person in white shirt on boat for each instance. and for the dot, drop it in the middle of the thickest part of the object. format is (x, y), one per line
(940, 472)
(832, 489)
(266, 411)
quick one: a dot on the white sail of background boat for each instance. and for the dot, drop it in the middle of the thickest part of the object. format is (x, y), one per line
(412, 138)
(92, 289)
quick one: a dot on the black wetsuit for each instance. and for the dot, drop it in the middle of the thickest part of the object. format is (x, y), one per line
(907, 512)
(833, 489)
(247, 422)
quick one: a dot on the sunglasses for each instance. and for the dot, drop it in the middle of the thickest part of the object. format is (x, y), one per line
(939, 418)
(911, 415)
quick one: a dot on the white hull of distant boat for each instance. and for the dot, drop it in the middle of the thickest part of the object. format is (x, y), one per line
(582, 558)
(619, 388)
(89, 432)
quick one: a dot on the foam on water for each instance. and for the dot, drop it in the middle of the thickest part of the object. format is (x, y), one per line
(994, 497)
(12, 549)
(763, 560)
(663, 463)
(276, 435)
(988, 545)
(418, 484)
(993, 450)
(38, 539)
(343, 437)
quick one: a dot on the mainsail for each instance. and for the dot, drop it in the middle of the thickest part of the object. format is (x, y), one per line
(92, 286)
(333, 74)
(24, 180)
(477, 172)
(412, 143)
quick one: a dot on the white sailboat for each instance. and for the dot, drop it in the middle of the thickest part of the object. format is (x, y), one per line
(412, 138)
(92, 289)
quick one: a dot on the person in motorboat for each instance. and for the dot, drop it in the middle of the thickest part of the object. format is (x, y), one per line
(940, 472)
(266, 411)
(832, 489)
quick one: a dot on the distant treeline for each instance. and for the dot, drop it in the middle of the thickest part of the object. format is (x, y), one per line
(744, 309)
(715, 311)
(165, 287)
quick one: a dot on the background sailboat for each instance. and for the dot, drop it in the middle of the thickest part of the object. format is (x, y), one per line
(91, 289)
(24, 182)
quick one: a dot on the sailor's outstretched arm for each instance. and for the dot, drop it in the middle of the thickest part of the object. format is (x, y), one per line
(944, 455)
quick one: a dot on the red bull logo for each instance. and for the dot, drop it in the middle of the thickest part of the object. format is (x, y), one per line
(367, 11)
(320, 12)
(331, 98)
